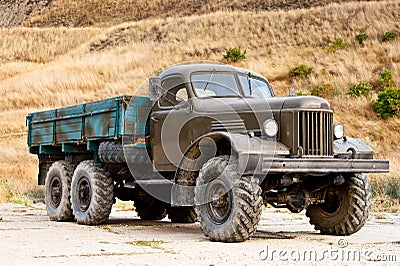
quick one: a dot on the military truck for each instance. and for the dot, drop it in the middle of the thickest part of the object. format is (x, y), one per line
(212, 144)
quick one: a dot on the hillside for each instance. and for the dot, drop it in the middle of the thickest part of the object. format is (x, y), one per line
(77, 13)
(47, 67)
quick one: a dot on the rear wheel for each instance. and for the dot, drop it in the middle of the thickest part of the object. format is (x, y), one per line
(91, 193)
(228, 205)
(346, 207)
(57, 191)
(182, 214)
(149, 208)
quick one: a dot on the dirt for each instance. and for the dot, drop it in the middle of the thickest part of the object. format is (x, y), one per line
(28, 236)
(14, 13)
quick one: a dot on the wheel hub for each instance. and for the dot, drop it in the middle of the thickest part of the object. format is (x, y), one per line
(220, 204)
(56, 191)
(84, 194)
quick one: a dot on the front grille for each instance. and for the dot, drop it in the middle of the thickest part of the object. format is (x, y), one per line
(315, 133)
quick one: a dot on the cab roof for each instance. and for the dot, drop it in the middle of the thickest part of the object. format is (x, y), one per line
(186, 70)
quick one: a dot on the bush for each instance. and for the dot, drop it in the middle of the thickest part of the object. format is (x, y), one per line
(360, 89)
(388, 103)
(388, 36)
(361, 38)
(234, 54)
(157, 72)
(300, 71)
(322, 91)
(386, 80)
(317, 90)
(301, 93)
(392, 190)
(338, 44)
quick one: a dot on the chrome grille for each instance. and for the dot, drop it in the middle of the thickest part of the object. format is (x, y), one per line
(315, 133)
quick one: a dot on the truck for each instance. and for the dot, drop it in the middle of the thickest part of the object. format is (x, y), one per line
(210, 143)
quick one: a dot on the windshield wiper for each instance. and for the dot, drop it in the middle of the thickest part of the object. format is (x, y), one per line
(208, 82)
(249, 77)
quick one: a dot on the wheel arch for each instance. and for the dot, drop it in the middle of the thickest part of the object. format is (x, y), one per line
(182, 193)
(193, 159)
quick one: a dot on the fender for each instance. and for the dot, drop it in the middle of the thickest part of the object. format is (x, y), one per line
(248, 149)
(351, 148)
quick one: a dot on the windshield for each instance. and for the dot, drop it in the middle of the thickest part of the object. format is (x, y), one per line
(253, 87)
(215, 84)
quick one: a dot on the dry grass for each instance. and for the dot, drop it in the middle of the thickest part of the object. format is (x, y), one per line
(111, 12)
(52, 67)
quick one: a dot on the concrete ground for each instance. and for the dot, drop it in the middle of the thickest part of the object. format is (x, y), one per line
(28, 237)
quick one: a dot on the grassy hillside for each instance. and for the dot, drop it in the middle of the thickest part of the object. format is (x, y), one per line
(111, 12)
(49, 67)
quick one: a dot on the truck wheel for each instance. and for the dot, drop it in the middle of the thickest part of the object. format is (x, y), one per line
(149, 208)
(228, 205)
(91, 193)
(346, 207)
(57, 191)
(182, 214)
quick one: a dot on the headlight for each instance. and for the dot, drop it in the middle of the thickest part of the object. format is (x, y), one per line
(338, 131)
(270, 128)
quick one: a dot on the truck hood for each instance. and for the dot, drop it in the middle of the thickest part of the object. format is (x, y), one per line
(305, 102)
(226, 105)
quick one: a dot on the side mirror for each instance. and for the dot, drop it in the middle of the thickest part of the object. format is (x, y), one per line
(155, 89)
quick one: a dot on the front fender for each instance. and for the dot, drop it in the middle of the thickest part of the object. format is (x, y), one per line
(249, 150)
(351, 148)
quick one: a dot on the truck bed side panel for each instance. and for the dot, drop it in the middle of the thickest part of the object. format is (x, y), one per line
(107, 119)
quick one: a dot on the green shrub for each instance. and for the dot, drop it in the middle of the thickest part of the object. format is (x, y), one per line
(338, 44)
(360, 89)
(301, 93)
(317, 90)
(392, 190)
(361, 38)
(157, 72)
(388, 36)
(386, 80)
(324, 91)
(388, 103)
(300, 71)
(234, 54)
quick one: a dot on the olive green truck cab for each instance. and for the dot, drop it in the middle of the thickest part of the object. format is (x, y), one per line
(212, 144)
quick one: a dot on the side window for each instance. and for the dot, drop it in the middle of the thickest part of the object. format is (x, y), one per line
(244, 81)
(253, 87)
(174, 92)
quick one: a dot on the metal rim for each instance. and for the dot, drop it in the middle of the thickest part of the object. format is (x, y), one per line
(219, 204)
(332, 204)
(84, 192)
(55, 191)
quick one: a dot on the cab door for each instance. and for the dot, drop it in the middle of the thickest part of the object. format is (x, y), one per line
(169, 128)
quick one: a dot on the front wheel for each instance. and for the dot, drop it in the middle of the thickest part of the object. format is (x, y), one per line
(228, 206)
(91, 193)
(345, 209)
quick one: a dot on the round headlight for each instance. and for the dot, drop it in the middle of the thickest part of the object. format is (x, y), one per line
(270, 128)
(338, 131)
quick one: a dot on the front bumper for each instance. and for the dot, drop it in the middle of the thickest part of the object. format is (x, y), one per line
(264, 165)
